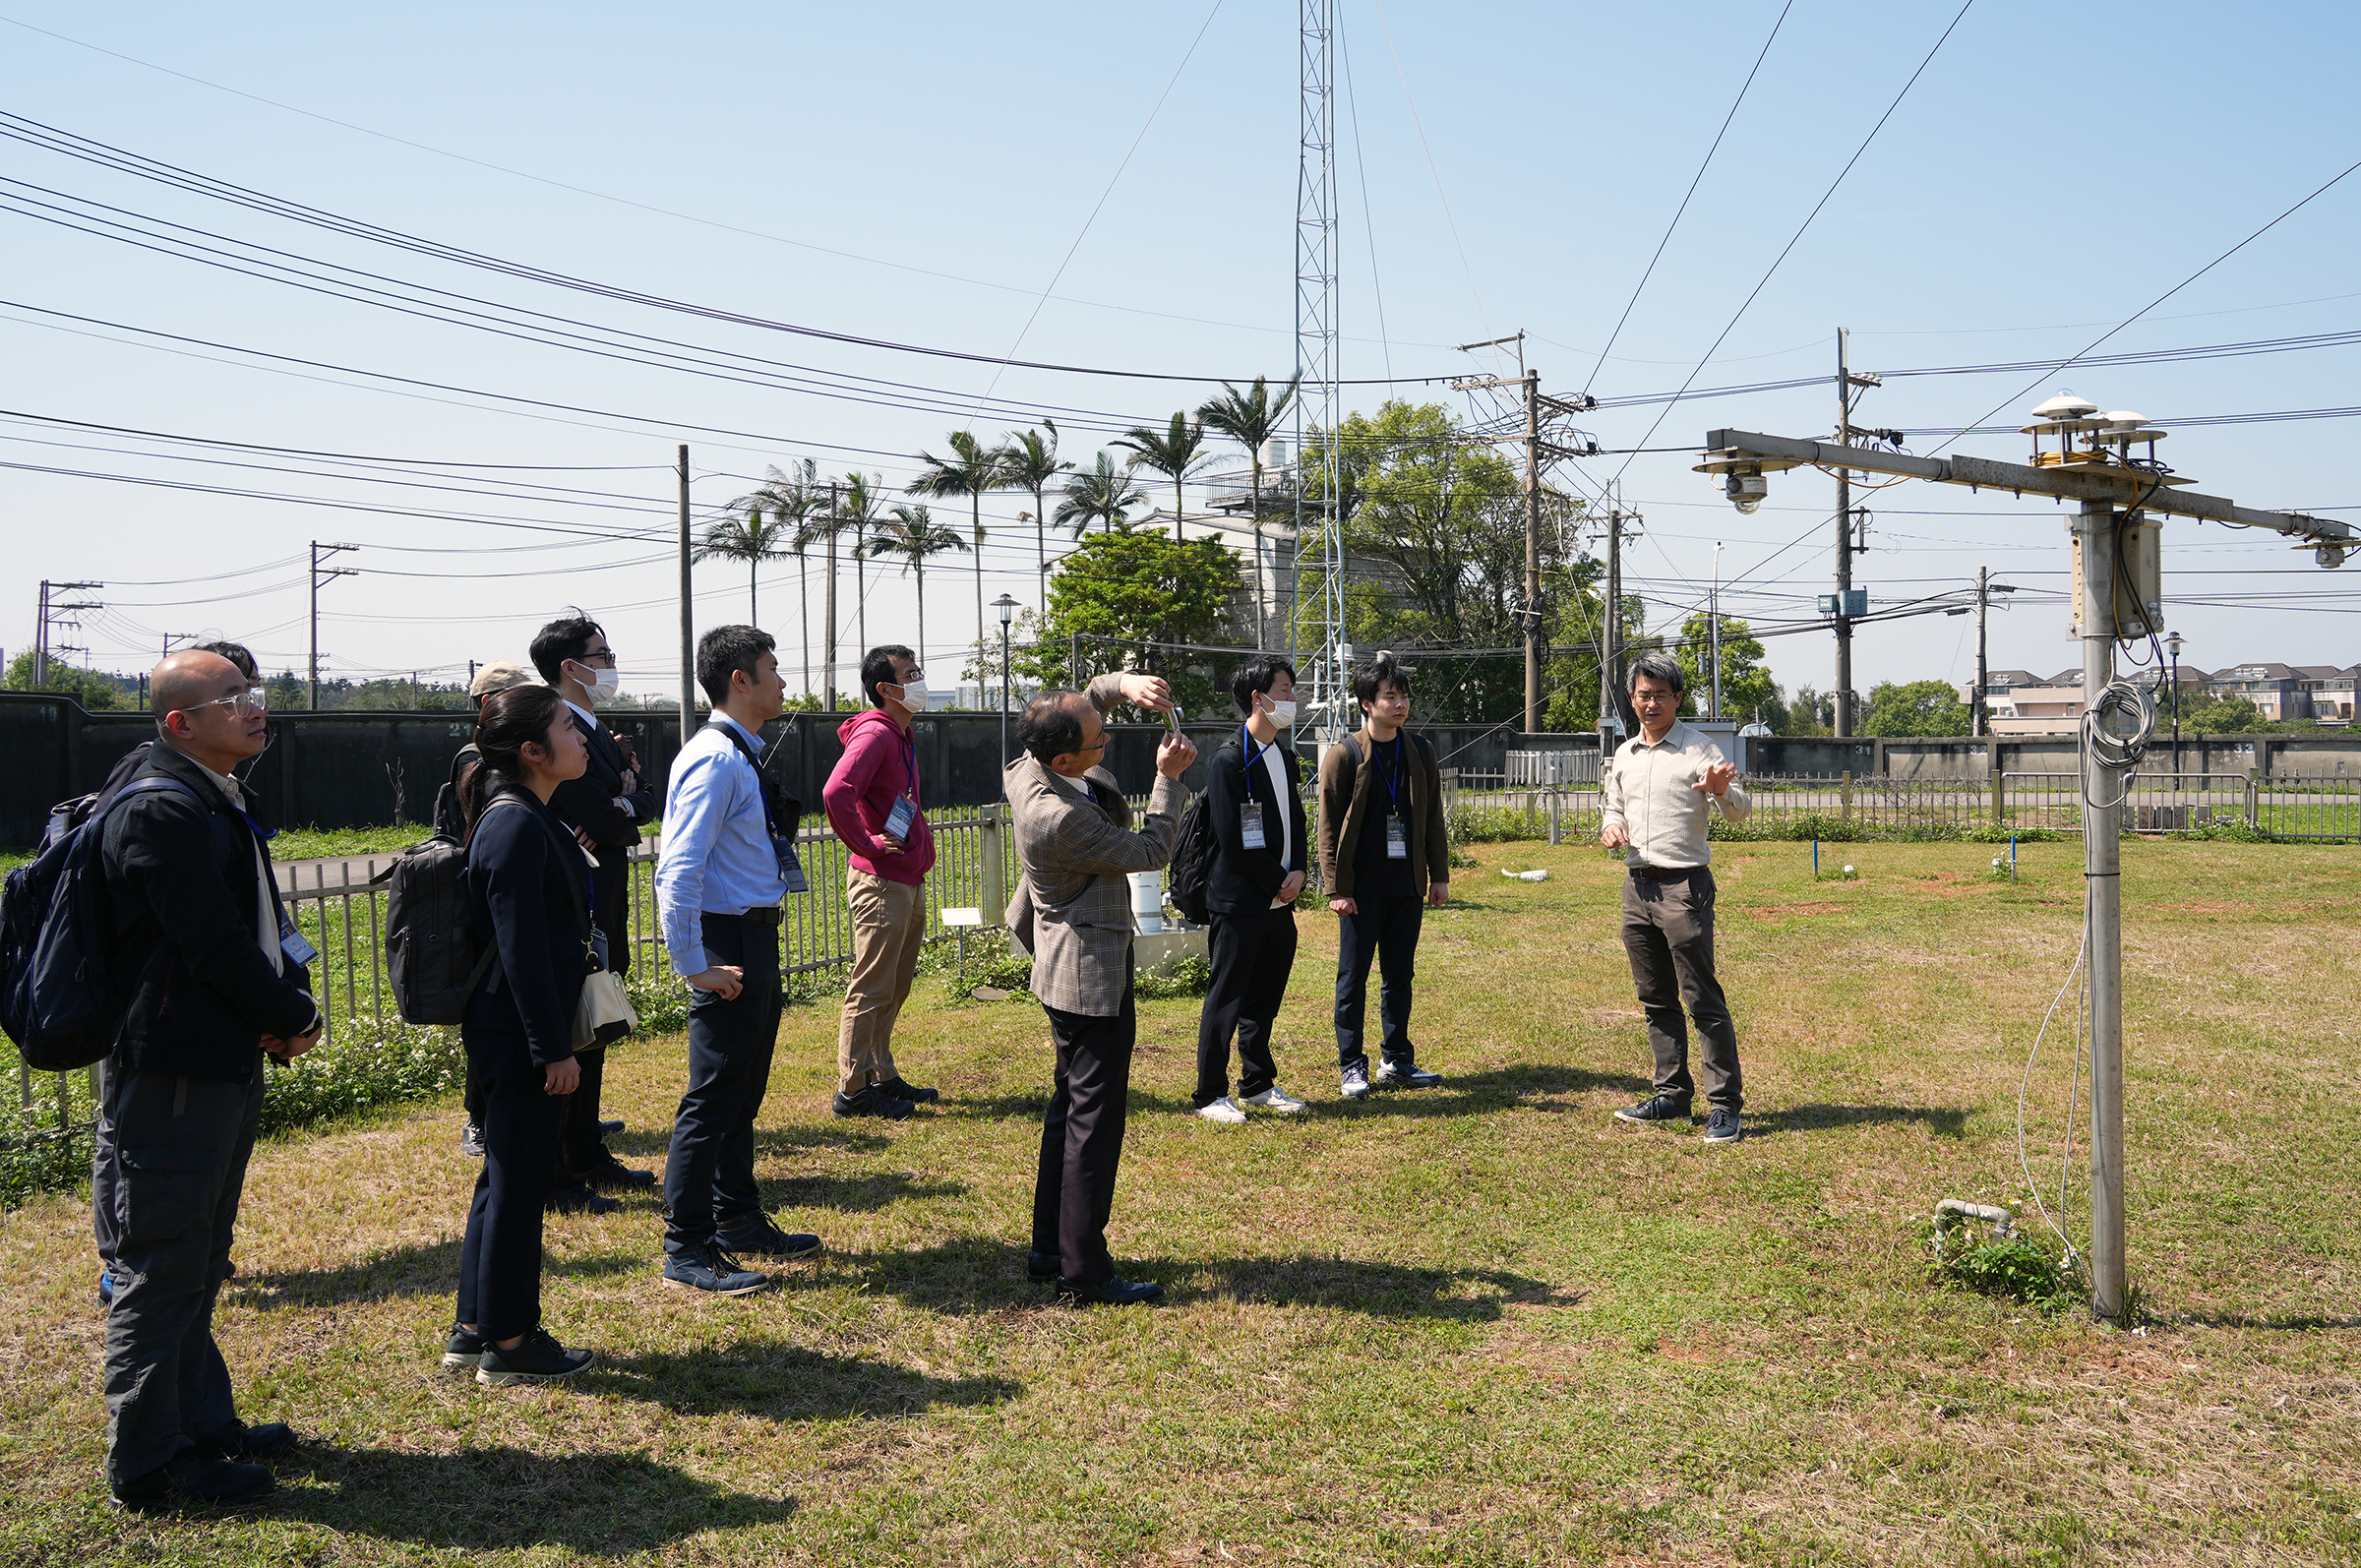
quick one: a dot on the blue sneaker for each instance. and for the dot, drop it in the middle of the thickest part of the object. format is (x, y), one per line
(710, 1269)
(106, 1288)
(1722, 1126)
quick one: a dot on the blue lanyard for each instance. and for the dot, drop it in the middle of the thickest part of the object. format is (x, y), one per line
(1245, 738)
(910, 765)
(1389, 775)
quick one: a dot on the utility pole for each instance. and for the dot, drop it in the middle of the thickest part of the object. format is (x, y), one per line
(1844, 724)
(321, 575)
(687, 615)
(1983, 605)
(1611, 636)
(52, 610)
(2112, 600)
(828, 675)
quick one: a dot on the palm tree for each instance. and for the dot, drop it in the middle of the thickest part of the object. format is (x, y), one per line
(1250, 419)
(911, 534)
(1101, 493)
(747, 531)
(970, 471)
(791, 499)
(1172, 453)
(1029, 462)
(827, 520)
(861, 513)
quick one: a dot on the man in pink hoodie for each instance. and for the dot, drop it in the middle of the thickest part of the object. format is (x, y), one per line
(873, 804)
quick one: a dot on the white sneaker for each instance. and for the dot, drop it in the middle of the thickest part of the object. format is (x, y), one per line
(1276, 1098)
(1225, 1111)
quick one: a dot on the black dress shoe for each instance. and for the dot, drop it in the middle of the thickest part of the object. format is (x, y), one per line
(896, 1088)
(608, 1129)
(758, 1237)
(1656, 1108)
(237, 1440)
(579, 1199)
(616, 1176)
(186, 1479)
(1113, 1291)
(1042, 1267)
(871, 1102)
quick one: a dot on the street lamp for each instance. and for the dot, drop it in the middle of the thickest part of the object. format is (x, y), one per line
(2172, 645)
(1007, 607)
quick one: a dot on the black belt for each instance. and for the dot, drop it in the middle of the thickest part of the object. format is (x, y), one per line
(768, 915)
(1665, 873)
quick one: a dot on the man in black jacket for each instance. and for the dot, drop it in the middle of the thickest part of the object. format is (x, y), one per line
(1256, 811)
(218, 977)
(604, 808)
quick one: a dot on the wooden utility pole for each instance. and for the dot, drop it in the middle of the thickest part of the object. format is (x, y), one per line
(319, 574)
(687, 615)
(828, 673)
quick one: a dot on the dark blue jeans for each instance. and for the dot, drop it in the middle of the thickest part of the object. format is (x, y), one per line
(500, 1261)
(710, 1174)
(1386, 930)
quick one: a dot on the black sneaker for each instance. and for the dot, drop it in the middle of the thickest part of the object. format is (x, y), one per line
(896, 1088)
(463, 1351)
(579, 1199)
(616, 1176)
(538, 1359)
(186, 1478)
(710, 1269)
(1405, 1075)
(472, 1140)
(1722, 1126)
(1113, 1291)
(756, 1236)
(237, 1440)
(608, 1129)
(1042, 1267)
(1656, 1108)
(871, 1102)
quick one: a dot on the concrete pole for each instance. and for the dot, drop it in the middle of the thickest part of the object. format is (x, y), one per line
(1844, 715)
(40, 643)
(1983, 603)
(314, 700)
(827, 639)
(1713, 621)
(687, 615)
(1533, 552)
(2102, 861)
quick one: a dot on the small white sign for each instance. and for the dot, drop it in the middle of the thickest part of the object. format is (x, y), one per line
(963, 917)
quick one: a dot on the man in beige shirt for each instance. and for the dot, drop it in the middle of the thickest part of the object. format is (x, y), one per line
(1658, 801)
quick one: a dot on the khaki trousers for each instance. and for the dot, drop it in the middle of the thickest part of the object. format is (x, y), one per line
(889, 928)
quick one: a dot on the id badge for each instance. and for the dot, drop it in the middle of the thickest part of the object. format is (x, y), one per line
(1397, 839)
(291, 942)
(1249, 825)
(791, 866)
(898, 819)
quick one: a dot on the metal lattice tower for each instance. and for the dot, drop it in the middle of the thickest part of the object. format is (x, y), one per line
(1316, 620)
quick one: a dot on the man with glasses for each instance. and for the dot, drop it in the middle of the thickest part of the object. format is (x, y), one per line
(1658, 799)
(1072, 912)
(216, 977)
(605, 807)
(873, 804)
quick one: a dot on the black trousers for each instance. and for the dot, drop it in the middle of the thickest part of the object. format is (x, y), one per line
(1082, 1138)
(500, 1261)
(1668, 931)
(106, 1214)
(582, 1148)
(1252, 954)
(710, 1174)
(181, 1147)
(1385, 931)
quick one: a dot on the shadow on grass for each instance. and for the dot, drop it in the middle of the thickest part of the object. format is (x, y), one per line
(653, 1143)
(2286, 1322)
(432, 1270)
(780, 1382)
(1469, 1094)
(506, 1499)
(979, 1275)
(1941, 1121)
(855, 1194)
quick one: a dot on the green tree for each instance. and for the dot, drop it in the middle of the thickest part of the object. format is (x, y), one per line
(911, 534)
(860, 512)
(1745, 683)
(970, 470)
(1918, 707)
(1251, 418)
(1138, 587)
(94, 690)
(751, 533)
(1102, 494)
(2212, 714)
(1029, 461)
(1172, 453)
(793, 499)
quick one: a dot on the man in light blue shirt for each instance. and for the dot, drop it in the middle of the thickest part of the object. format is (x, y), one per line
(719, 880)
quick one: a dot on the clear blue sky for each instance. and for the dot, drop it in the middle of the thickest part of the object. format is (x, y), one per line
(921, 173)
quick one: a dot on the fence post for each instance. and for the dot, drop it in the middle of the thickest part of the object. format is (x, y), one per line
(2254, 802)
(1845, 798)
(2000, 796)
(996, 903)
(1553, 833)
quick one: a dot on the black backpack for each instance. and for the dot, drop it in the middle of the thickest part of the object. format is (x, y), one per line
(57, 936)
(1192, 861)
(430, 932)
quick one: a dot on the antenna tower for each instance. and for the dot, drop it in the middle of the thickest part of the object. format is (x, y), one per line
(1317, 629)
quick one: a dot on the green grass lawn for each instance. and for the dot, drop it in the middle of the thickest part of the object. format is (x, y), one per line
(1483, 1324)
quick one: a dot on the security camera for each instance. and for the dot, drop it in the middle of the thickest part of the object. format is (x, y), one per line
(1745, 490)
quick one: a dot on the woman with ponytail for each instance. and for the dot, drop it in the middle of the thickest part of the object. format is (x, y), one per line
(531, 899)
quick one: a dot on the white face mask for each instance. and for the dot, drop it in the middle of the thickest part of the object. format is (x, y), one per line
(914, 695)
(603, 685)
(1283, 714)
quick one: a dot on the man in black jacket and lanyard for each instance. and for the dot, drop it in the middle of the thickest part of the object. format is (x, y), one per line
(604, 808)
(1256, 811)
(218, 977)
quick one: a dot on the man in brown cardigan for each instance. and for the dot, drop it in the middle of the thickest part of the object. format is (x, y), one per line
(1385, 855)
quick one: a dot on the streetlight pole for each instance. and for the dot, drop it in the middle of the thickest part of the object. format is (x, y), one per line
(2172, 645)
(1007, 607)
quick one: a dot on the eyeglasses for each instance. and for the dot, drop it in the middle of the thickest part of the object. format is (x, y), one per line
(241, 704)
(607, 655)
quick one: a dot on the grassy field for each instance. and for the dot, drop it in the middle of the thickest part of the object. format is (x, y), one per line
(1486, 1324)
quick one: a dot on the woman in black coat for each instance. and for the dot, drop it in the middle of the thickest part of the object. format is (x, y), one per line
(530, 890)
